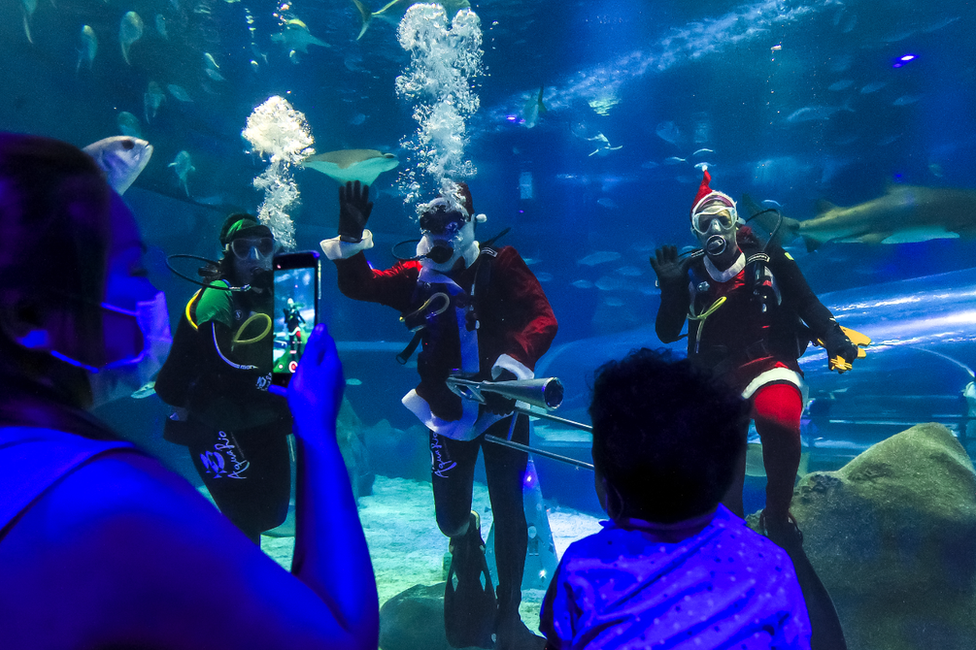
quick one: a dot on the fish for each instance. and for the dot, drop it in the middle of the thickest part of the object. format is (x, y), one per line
(146, 390)
(129, 124)
(583, 284)
(295, 37)
(161, 26)
(905, 213)
(352, 381)
(88, 49)
(704, 165)
(608, 203)
(345, 165)
(599, 257)
(673, 160)
(613, 301)
(130, 31)
(211, 68)
(533, 110)
(843, 84)
(630, 271)
(151, 100)
(605, 148)
(122, 158)
(393, 11)
(873, 87)
(905, 100)
(610, 283)
(544, 276)
(183, 165)
(178, 92)
(28, 7)
(815, 113)
(702, 152)
(668, 131)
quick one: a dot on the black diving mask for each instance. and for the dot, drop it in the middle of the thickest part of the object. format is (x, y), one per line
(441, 219)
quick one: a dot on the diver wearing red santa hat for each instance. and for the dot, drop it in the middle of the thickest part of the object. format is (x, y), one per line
(750, 317)
(481, 314)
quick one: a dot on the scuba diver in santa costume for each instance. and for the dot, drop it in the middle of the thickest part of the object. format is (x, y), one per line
(750, 316)
(481, 314)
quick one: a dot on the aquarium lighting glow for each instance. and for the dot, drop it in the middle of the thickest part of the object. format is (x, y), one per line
(903, 60)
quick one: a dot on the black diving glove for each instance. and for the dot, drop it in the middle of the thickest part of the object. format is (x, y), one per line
(837, 344)
(354, 209)
(671, 271)
(499, 404)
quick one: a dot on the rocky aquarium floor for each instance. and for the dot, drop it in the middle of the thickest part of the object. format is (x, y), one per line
(407, 549)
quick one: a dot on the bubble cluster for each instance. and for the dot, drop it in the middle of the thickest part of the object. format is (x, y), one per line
(440, 84)
(279, 132)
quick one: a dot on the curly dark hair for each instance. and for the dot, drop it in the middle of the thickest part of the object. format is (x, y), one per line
(666, 434)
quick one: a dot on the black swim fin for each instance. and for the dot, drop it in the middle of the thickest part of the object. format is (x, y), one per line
(469, 597)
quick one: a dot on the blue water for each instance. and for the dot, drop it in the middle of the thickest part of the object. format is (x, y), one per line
(791, 102)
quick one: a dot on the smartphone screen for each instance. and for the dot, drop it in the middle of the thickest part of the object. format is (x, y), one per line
(296, 294)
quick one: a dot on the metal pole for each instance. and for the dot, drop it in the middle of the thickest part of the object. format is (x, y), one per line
(556, 418)
(537, 452)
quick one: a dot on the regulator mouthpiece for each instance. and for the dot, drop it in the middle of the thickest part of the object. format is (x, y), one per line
(715, 245)
(440, 253)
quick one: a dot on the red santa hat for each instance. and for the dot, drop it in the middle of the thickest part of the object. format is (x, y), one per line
(707, 196)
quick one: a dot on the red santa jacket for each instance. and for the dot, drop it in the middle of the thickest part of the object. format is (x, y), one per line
(515, 326)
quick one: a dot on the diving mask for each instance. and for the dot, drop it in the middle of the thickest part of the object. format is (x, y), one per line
(441, 218)
(714, 205)
(252, 247)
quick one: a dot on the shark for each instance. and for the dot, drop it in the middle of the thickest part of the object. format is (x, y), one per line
(362, 165)
(393, 11)
(122, 158)
(905, 213)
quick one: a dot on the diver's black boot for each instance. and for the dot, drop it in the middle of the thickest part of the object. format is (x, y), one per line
(469, 598)
(782, 530)
(827, 633)
(511, 633)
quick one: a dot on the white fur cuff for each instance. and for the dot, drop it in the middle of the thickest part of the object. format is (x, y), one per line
(336, 249)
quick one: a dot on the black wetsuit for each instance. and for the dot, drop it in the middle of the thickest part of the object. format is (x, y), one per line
(235, 430)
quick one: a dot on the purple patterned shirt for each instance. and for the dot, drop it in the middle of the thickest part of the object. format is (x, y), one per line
(702, 584)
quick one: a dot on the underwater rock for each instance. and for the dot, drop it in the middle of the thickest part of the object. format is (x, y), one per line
(349, 434)
(892, 535)
(414, 620)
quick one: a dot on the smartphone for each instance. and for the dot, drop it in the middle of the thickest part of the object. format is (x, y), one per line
(296, 310)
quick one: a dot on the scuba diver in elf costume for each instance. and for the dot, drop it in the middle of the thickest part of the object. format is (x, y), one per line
(217, 377)
(481, 314)
(750, 317)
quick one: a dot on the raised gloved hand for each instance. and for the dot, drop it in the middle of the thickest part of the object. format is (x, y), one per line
(498, 404)
(671, 271)
(354, 209)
